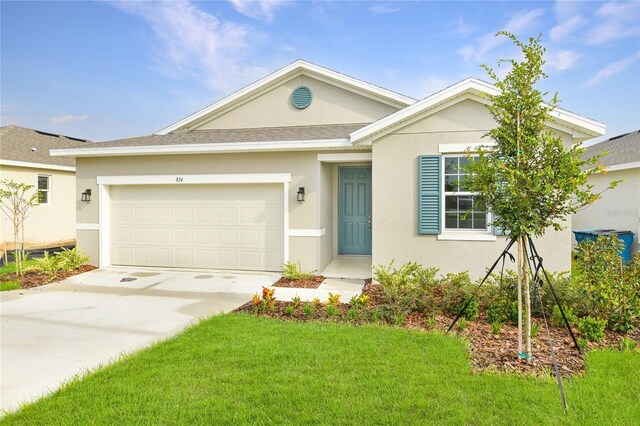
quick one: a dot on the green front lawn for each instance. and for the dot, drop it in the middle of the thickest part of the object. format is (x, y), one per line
(10, 285)
(10, 268)
(242, 369)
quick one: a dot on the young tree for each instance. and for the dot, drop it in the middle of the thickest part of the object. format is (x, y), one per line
(529, 180)
(17, 204)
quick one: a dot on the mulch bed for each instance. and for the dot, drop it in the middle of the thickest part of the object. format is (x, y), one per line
(33, 278)
(488, 352)
(311, 282)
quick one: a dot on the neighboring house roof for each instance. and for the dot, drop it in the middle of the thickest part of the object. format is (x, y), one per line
(24, 147)
(290, 71)
(623, 151)
(471, 88)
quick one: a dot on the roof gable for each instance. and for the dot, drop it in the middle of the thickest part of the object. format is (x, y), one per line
(291, 71)
(28, 147)
(579, 127)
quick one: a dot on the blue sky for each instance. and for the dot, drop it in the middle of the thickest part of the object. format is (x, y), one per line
(107, 70)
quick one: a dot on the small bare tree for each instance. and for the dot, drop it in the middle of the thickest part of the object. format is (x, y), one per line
(17, 203)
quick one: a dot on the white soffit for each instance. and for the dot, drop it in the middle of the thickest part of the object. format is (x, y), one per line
(37, 165)
(580, 127)
(287, 72)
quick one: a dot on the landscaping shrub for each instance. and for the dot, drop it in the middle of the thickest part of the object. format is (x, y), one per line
(71, 259)
(496, 327)
(50, 265)
(266, 302)
(556, 316)
(307, 308)
(456, 288)
(592, 328)
(405, 287)
(497, 314)
(293, 271)
(65, 260)
(472, 310)
(611, 289)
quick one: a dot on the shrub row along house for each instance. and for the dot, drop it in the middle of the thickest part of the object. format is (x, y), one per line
(24, 158)
(305, 164)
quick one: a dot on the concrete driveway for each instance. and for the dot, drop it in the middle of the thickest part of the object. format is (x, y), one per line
(51, 333)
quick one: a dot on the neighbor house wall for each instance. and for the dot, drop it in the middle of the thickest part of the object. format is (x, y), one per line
(47, 224)
(273, 108)
(305, 169)
(395, 197)
(618, 208)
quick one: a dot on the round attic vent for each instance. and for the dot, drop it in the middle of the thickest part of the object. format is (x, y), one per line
(301, 97)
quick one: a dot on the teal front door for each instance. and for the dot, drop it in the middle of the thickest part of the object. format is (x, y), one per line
(354, 204)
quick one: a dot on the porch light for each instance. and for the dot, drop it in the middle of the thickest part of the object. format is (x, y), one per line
(300, 194)
(86, 195)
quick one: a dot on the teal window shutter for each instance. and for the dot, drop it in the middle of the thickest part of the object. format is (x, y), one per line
(429, 209)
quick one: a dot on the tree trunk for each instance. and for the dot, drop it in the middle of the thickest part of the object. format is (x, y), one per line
(527, 300)
(519, 295)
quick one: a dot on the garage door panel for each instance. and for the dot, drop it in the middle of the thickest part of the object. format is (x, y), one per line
(205, 215)
(204, 226)
(183, 236)
(162, 215)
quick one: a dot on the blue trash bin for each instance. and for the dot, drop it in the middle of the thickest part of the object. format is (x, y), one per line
(625, 236)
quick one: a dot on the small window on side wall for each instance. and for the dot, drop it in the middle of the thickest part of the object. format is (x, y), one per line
(44, 188)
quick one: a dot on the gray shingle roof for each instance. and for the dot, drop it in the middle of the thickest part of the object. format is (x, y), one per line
(264, 134)
(621, 149)
(16, 144)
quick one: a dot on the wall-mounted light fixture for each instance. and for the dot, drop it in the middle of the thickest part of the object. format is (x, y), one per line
(300, 194)
(86, 195)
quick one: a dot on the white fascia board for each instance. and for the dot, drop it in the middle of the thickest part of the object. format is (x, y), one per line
(295, 67)
(625, 166)
(348, 157)
(37, 165)
(480, 89)
(204, 148)
(178, 179)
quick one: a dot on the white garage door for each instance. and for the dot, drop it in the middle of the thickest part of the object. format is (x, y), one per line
(198, 226)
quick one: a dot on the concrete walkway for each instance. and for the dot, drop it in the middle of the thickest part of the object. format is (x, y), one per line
(51, 333)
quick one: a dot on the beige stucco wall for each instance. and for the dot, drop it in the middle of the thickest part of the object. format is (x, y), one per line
(619, 208)
(314, 213)
(330, 105)
(395, 199)
(51, 223)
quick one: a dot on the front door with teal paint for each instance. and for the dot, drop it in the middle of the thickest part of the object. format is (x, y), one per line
(354, 214)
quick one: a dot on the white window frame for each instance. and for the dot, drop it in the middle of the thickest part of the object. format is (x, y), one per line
(48, 190)
(459, 234)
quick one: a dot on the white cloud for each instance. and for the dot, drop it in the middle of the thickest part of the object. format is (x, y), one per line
(561, 31)
(614, 21)
(463, 29)
(258, 9)
(383, 9)
(613, 69)
(562, 60)
(430, 84)
(61, 119)
(195, 44)
(520, 23)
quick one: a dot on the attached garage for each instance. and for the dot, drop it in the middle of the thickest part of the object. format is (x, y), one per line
(219, 226)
